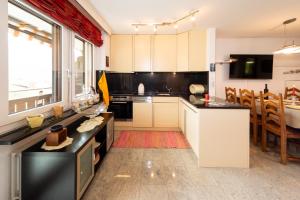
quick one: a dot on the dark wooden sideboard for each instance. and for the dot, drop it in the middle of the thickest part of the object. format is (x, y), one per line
(65, 173)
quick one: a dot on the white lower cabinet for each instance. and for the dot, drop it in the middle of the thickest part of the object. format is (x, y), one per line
(165, 114)
(181, 116)
(142, 115)
(189, 125)
(192, 129)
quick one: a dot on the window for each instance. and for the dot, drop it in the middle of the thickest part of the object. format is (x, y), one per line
(34, 61)
(83, 66)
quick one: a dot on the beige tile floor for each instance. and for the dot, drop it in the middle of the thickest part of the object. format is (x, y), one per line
(171, 174)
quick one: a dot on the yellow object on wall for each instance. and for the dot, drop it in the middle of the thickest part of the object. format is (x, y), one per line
(102, 83)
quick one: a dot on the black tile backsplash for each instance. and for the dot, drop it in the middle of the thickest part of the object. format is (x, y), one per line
(154, 82)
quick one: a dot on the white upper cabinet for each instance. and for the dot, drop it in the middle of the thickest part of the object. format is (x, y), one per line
(164, 53)
(191, 51)
(197, 50)
(183, 52)
(159, 53)
(142, 53)
(121, 48)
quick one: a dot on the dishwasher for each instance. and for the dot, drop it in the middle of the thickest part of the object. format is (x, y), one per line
(142, 116)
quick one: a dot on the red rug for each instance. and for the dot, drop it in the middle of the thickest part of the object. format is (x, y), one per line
(151, 139)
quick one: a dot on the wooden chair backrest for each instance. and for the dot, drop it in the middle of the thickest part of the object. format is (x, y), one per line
(247, 98)
(288, 93)
(230, 94)
(272, 109)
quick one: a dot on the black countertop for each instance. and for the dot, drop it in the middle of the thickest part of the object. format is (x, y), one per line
(213, 103)
(152, 94)
(79, 139)
(195, 100)
(19, 134)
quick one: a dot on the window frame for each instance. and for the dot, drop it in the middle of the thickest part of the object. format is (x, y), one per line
(91, 73)
(8, 119)
(56, 55)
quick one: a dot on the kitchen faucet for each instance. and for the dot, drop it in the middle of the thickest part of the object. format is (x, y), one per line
(169, 89)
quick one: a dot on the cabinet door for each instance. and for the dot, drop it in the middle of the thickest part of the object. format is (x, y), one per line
(142, 115)
(183, 52)
(181, 116)
(165, 114)
(164, 56)
(197, 50)
(192, 128)
(85, 168)
(142, 53)
(109, 133)
(188, 126)
(121, 53)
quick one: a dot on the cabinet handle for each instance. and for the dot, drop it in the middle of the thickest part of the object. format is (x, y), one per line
(119, 102)
(16, 175)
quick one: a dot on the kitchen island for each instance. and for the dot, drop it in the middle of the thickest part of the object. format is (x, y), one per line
(217, 131)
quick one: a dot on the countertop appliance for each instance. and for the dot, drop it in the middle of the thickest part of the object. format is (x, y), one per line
(197, 89)
(121, 106)
(141, 89)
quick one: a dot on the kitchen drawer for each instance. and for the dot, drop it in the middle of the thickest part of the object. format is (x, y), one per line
(165, 100)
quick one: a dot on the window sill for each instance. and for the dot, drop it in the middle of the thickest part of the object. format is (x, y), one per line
(18, 119)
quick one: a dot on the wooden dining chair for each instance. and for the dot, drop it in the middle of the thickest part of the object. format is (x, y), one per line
(247, 98)
(273, 121)
(230, 95)
(289, 93)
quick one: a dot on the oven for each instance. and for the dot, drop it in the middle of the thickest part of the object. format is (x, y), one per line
(121, 106)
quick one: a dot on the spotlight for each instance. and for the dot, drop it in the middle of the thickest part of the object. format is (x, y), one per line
(136, 28)
(193, 18)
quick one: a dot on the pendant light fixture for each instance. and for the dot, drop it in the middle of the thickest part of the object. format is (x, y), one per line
(288, 48)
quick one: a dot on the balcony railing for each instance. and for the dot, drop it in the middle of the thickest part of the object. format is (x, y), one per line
(22, 104)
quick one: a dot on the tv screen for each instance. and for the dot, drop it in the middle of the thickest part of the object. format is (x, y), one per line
(251, 66)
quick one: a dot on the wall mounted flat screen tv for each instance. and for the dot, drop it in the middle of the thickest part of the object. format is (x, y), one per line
(251, 66)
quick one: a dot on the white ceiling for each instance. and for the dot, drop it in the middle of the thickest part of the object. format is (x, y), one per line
(232, 18)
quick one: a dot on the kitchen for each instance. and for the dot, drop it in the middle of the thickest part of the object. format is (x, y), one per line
(126, 100)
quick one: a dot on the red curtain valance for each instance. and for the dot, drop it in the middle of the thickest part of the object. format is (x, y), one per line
(66, 13)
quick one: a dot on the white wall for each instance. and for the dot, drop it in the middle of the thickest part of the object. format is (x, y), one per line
(211, 57)
(102, 52)
(4, 159)
(86, 4)
(282, 63)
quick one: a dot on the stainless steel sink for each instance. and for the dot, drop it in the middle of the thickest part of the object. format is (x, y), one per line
(163, 94)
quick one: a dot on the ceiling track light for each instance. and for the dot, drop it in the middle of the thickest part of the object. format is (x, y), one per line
(191, 15)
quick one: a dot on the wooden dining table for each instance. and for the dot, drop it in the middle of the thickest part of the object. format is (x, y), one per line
(291, 110)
